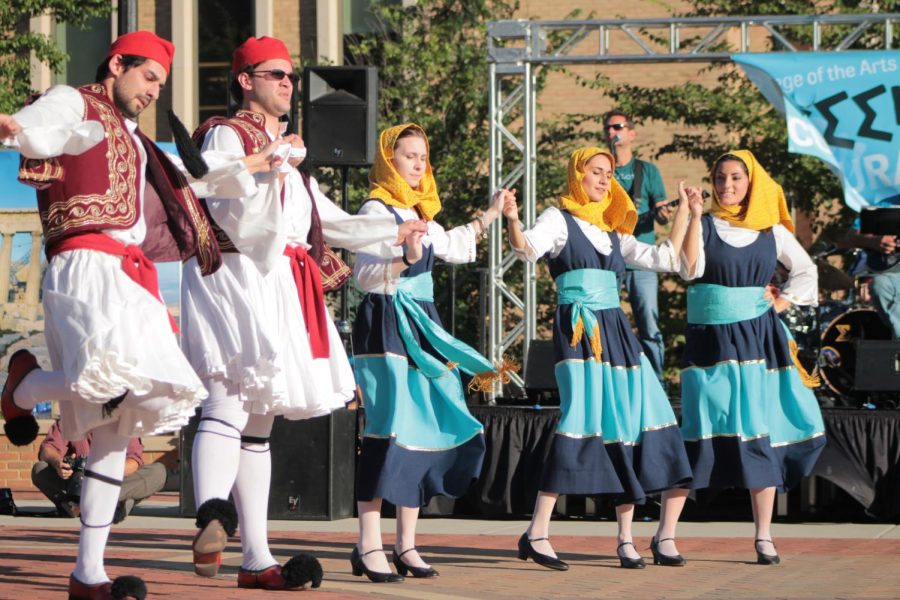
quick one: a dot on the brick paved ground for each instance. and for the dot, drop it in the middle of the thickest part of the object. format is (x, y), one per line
(37, 560)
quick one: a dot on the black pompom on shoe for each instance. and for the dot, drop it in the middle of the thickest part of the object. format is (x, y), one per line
(129, 586)
(219, 510)
(21, 431)
(301, 570)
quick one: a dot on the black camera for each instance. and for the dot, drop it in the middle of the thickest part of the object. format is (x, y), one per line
(73, 483)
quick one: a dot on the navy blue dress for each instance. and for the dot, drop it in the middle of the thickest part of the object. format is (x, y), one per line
(617, 432)
(420, 439)
(747, 419)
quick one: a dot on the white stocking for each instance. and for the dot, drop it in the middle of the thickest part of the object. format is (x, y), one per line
(43, 386)
(217, 445)
(98, 501)
(251, 492)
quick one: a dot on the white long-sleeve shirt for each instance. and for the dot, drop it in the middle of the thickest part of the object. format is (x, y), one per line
(54, 125)
(549, 234)
(456, 246)
(260, 225)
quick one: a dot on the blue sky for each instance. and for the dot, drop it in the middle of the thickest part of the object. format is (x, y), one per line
(16, 195)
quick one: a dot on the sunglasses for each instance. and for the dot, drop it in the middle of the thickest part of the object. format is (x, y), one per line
(277, 75)
(616, 126)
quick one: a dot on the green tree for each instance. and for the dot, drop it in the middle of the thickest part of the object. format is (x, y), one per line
(17, 42)
(432, 68)
(732, 113)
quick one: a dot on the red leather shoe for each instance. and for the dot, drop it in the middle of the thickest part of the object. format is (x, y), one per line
(19, 424)
(208, 545)
(267, 579)
(83, 591)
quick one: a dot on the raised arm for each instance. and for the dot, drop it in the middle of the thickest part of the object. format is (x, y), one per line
(691, 248)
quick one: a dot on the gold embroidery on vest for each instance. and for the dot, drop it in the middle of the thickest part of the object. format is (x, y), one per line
(117, 206)
(257, 133)
(40, 172)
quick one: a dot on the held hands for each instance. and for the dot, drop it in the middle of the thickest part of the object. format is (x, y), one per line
(690, 198)
(265, 160)
(496, 207)
(509, 207)
(408, 228)
(8, 127)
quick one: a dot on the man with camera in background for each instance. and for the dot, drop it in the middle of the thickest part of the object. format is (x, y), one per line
(60, 469)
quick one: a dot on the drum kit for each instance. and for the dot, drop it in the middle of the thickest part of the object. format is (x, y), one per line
(828, 336)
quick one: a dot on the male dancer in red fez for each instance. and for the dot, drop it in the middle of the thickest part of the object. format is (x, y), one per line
(257, 331)
(110, 202)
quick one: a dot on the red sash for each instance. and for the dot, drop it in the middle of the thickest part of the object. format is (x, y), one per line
(137, 266)
(312, 298)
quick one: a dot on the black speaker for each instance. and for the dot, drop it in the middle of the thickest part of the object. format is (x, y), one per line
(540, 375)
(339, 108)
(877, 366)
(313, 467)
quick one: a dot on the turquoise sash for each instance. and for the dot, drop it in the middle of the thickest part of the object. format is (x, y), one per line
(587, 290)
(421, 288)
(711, 304)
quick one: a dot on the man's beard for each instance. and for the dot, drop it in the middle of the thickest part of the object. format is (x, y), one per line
(122, 103)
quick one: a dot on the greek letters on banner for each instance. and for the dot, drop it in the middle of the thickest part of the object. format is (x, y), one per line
(842, 107)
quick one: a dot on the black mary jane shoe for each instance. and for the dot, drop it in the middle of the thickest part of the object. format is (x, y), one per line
(526, 551)
(765, 559)
(360, 568)
(403, 568)
(629, 563)
(666, 560)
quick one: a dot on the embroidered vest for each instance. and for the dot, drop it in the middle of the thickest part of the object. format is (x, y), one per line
(250, 127)
(99, 190)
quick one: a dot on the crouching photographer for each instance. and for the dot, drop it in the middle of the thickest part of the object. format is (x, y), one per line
(60, 470)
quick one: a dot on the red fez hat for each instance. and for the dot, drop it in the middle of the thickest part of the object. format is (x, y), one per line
(257, 50)
(146, 44)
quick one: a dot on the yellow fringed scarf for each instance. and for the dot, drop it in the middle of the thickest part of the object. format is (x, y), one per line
(388, 186)
(615, 212)
(765, 201)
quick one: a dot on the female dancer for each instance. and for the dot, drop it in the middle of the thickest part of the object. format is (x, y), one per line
(747, 419)
(617, 433)
(257, 331)
(420, 440)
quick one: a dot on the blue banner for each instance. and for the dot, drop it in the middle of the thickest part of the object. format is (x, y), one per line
(842, 107)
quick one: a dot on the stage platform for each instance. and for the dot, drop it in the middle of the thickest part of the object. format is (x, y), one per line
(861, 458)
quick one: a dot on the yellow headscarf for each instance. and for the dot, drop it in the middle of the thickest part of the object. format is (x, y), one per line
(615, 212)
(386, 184)
(765, 201)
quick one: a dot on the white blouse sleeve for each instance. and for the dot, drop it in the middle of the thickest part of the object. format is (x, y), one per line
(547, 236)
(373, 273)
(700, 265)
(649, 257)
(802, 286)
(456, 246)
(254, 222)
(54, 125)
(374, 234)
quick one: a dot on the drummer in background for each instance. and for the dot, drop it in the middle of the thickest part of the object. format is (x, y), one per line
(883, 262)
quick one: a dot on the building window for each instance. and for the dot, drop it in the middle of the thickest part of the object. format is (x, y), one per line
(223, 25)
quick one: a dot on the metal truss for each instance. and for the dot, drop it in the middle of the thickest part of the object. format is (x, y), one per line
(516, 49)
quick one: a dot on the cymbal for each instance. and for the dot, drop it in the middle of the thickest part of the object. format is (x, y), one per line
(831, 278)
